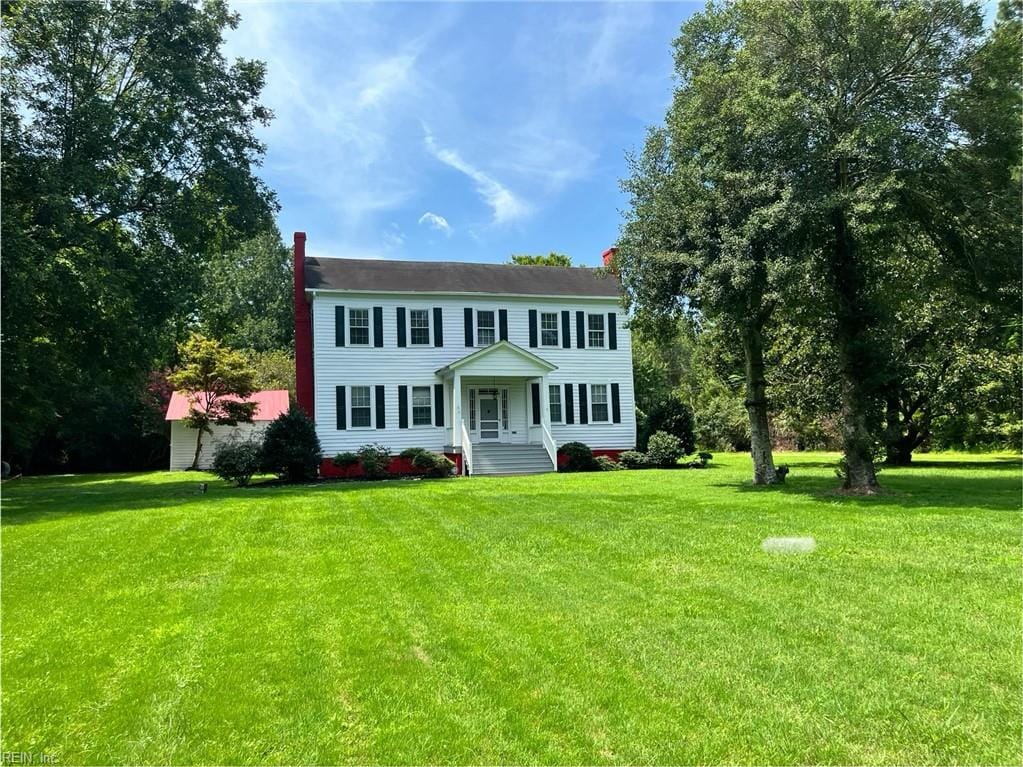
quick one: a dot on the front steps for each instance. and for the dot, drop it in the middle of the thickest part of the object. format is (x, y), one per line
(490, 458)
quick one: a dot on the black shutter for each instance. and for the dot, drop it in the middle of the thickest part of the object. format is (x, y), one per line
(584, 409)
(438, 326)
(378, 326)
(502, 320)
(536, 403)
(566, 330)
(342, 408)
(569, 403)
(401, 326)
(468, 327)
(402, 407)
(532, 328)
(612, 330)
(580, 330)
(616, 404)
(339, 326)
(438, 404)
(381, 416)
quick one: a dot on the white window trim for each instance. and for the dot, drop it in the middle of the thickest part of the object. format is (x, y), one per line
(372, 408)
(606, 403)
(429, 326)
(557, 330)
(476, 328)
(603, 332)
(369, 326)
(561, 402)
(411, 407)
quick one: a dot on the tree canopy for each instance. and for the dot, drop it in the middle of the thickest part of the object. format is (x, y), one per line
(128, 145)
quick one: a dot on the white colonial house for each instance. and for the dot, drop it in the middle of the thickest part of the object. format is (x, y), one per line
(495, 365)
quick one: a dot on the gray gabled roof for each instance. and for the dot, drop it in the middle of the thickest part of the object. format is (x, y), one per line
(456, 277)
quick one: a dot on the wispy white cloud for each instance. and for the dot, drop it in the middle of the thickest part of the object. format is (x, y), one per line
(505, 205)
(393, 237)
(434, 221)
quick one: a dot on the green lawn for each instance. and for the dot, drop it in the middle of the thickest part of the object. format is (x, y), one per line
(626, 617)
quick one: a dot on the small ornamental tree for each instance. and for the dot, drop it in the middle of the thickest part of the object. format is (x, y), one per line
(291, 449)
(215, 379)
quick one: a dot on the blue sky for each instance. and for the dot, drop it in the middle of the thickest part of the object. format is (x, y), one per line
(462, 132)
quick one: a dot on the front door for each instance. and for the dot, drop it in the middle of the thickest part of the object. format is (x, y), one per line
(490, 419)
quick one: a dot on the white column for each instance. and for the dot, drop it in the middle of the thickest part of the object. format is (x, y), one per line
(456, 411)
(545, 404)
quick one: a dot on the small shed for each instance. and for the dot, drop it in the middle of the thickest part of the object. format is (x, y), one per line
(269, 405)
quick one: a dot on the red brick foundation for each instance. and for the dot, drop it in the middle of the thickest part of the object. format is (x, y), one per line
(398, 467)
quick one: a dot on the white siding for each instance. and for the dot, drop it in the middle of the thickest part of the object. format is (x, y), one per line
(182, 447)
(392, 366)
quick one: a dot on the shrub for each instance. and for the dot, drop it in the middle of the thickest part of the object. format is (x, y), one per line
(291, 449)
(705, 457)
(345, 460)
(672, 416)
(579, 457)
(633, 459)
(664, 449)
(608, 464)
(434, 464)
(238, 460)
(374, 459)
(411, 453)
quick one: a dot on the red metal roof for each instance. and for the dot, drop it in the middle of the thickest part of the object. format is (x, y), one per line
(269, 405)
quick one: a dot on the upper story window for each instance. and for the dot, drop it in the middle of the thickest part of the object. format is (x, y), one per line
(362, 412)
(422, 406)
(598, 403)
(486, 332)
(595, 325)
(419, 324)
(555, 401)
(358, 327)
(549, 329)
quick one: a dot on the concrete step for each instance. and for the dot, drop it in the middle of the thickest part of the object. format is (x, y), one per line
(510, 459)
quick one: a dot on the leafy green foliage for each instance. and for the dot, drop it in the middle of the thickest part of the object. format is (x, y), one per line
(605, 463)
(551, 259)
(579, 457)
(374, 459)
(273, 369)
(247, 296)
(346, 460)
(664, 449)
(129, 147)
(672, 416)
(215, 379)
(238, 460)
(633, 459)
(291, 449)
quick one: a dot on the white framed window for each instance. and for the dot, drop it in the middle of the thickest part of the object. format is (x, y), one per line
(595, 325)
(422, 406)
(486, 333)
(358, 327)
(472, 409)
(549, 329)
(419, 327)
(361, 415)
(504, 409)
(598, 403)
(554, 398)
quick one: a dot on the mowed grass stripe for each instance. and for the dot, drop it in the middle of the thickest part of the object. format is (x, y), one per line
(613, 618)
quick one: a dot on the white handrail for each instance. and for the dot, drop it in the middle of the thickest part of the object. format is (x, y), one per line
(466, 452)
(550, 444)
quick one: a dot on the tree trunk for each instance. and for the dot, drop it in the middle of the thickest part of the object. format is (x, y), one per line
(198, 449)
(756, 406)
(855, 352)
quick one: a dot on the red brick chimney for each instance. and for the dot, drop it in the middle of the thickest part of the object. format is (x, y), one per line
(608, 257)
(303, 333)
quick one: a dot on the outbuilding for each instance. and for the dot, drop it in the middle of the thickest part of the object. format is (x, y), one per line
(269, 405)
